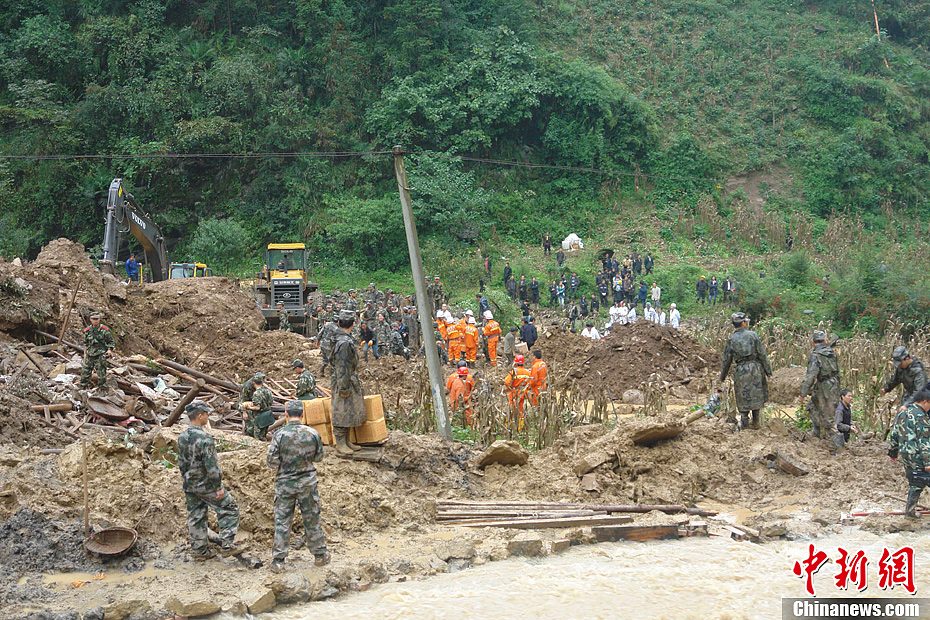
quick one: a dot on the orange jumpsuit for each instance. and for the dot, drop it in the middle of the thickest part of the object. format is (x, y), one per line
(443, 328)
(471, 343)
(455, 337)
(518, 381)
(492, 331)
(460, 396)
(540, 374)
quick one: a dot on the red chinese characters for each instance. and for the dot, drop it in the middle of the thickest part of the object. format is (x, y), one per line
(897, 569)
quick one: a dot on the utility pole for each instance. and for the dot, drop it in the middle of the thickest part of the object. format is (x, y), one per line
(423, 305)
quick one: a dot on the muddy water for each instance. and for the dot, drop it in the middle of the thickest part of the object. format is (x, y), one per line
(691, 578)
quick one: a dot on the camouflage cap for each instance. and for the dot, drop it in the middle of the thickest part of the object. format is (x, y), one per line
(346, 315)
(197, 406)
(259, 375)
(819, 336)
(294, 408)
(899, 355)
(96, 315)
(738, 317)
(297, 364)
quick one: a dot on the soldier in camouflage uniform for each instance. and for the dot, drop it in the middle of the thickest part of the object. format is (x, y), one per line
(413, 328)
(284, 322)
(203, 487)
(293, 451)
(910, 440)
(259, 416)
(745, 349)
(908, 372)
(822, 383)
(98, 341)
(348, 397)
(248, 388)
(306, 383)
(382, 330)
(327, 339)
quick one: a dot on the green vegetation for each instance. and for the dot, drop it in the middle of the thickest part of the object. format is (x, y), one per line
(704, 131)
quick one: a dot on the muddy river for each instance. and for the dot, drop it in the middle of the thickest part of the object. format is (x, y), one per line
(691, 578)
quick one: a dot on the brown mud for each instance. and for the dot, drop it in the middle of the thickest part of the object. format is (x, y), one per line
(379, 518)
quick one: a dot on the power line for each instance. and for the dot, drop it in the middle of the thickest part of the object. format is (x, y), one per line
(588, 170)
(261, 155)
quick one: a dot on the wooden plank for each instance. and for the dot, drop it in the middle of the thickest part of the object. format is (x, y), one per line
(463, 516)
(639, 533)
(630, 508)
(534, 524)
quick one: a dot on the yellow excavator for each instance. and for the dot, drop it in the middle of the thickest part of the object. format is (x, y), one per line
(284, 279)
(125, 215)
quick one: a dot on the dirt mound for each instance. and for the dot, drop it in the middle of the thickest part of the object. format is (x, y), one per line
(785, 385)
(627, 357)
(25, 304)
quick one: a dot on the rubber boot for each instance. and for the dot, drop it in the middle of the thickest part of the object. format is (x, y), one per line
(913, 496)
(755, 420)
(352, 446)
(743, 420)
(342, 449)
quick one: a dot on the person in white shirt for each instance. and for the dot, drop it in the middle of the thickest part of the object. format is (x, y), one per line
(650, 314)
(661, 320)
(614, 313)
(656, 295)
(631, 315)
(674, 317)
(590, 331)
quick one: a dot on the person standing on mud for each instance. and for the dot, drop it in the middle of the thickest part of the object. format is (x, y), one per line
(98, 342)
(293, 451)
(510, 341)
(822, 383)
(326, 339)
(348, 397)
(908, 372)
(203, 487)
(284, 321)
(745, 349)
(910, 440)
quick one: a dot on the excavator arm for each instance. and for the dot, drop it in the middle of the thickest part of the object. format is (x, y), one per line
(125, 215)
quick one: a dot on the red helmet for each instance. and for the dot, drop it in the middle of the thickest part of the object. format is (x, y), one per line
(462, 370)
(518, 359)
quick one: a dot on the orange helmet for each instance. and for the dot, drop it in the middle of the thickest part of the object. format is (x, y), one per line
(518, 359)
(462, 370)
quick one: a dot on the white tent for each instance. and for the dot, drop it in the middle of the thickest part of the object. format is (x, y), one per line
(572, 242)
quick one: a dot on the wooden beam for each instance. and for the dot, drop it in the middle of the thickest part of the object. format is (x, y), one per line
(188, 398)
(534, 524)
(639, 533)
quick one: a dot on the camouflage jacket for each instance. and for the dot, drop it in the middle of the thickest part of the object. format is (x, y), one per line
(306, 384)
(910, 438)
(326, 335)
(293, 451)
(98, 340)
(246, 392)
(382, 333)
(821, 367)
(345, 363)
(263, 398)
(284, 321)
(913, 378)
(197, 461)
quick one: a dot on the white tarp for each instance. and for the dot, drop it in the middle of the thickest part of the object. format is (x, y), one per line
(572, 242)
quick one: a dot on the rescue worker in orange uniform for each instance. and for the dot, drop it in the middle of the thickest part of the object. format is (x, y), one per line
(470, 338)
(460, 386)
(518, 381)
(540, 375)
(492, 331)
(455, 336)
(441, 324)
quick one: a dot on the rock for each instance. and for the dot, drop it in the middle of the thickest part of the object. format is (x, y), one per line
(527, 545)
(438, 566)
(582, 536)
(589, 483)
(775, 530)
(623, 409)
(17, 262)
(681, 392)
(504, 452)
(290, 588)
(499, 553)
(259, 600)
(123, 609)
(456, 565)
(558, 546)
(460, 549)
(788, 464)
(191, 605)
(633, 397)
(592, 461)
(93, 614)
(753, 476)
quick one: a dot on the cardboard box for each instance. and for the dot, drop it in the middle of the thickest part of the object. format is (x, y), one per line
(326, 433)
(318, 411)
(374, 408)
(520, 348)
(371, 432)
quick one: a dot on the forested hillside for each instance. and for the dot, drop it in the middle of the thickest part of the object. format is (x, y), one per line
(690, 118)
